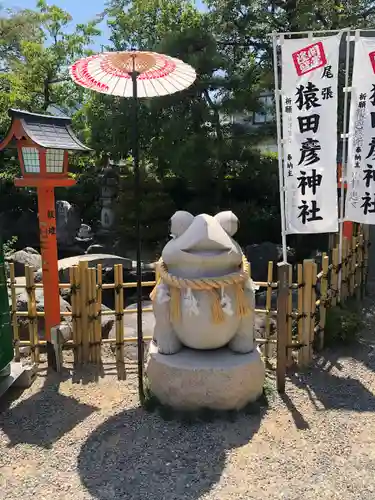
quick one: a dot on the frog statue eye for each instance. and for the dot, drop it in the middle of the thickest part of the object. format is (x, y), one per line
(179, 222)
(228, 222)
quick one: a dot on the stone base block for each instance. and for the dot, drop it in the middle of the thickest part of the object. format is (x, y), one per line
(220, 379)
(17, 375)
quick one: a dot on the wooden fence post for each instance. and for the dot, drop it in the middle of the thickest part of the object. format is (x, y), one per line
(91, 298)
(268, 309)
(353, 266)
(32, 313)
(314, 274)
(344, 270)
(73, 300)
(119, 309)
(77, 312)
(366, 241)
(98, 322)
(348, 266)
(83, 268)
(300, 305)
(282, 323)
(304, 352)
(359, 278)
(289, 360)
(335, 276)
(323, 301)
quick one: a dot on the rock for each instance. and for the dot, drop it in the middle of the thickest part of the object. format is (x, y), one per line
(261, 298)
(25, 350)
(106, 260)
(31, 250)
(66, 331)
(84, 233)
(22, 301)
(26, 257)
(260, 326)
(191, 379)
(130, 322)
(66, 294)
(130, 294)
(68, 223)
(108, 323)
(96, 248)
(260, 255)
(130, 329)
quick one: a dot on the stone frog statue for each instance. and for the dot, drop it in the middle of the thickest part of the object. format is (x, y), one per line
(204, 298)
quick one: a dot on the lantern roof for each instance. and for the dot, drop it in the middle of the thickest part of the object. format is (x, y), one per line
(46, 131)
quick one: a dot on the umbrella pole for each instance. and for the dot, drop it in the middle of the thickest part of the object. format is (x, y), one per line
(137, 189)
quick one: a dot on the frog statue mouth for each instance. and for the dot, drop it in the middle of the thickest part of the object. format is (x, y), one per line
(207, 248)
(207, 253)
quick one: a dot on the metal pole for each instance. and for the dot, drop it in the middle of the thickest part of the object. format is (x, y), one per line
(279, 150)
(319, 32)
(137, 190)
(344, 161)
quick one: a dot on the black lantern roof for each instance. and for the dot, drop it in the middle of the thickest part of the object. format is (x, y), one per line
(47, 131)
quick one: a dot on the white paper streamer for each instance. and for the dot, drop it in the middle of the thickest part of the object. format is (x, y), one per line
(191, 303)
(226, 303)
(162, 294)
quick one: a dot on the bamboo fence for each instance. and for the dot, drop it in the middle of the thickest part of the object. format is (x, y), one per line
(300, 314)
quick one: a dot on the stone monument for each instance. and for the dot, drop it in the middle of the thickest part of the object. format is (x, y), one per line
(109, 180)
(203, 352)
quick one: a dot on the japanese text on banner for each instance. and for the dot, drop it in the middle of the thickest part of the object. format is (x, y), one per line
(309, 116)
(360, 200)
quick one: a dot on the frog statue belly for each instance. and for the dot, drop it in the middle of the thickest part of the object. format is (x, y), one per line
(205, 297)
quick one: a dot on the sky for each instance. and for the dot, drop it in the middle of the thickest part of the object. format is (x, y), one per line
(81, 11)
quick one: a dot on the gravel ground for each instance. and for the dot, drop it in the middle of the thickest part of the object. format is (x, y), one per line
(88, 439)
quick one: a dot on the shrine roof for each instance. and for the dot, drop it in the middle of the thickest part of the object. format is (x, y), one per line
(47, 131)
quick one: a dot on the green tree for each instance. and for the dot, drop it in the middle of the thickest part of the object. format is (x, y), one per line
(36, 59)
(16, 27)
(36, 49)
(193, 150)
(183, 134)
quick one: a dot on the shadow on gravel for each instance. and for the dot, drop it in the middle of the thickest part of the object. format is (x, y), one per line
(332, 391)
(299, 419)
(43, 418)
(137, 455)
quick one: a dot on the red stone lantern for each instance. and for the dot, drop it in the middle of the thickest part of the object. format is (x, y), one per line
(43, 143)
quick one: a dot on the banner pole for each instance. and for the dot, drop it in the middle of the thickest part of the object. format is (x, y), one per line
(279, 147)
(317, 32)
(344, 162)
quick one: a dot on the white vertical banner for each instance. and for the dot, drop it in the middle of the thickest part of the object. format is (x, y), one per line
(309, 114)
(360, 199)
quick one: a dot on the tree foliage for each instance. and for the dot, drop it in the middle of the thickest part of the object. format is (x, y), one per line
(37, 49)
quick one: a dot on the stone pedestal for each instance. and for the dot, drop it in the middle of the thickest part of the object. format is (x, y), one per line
(219, 379)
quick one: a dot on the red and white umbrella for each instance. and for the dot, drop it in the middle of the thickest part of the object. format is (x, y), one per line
(134, 74)
(111, 73)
